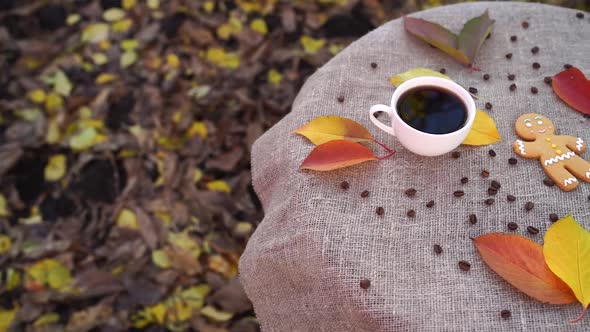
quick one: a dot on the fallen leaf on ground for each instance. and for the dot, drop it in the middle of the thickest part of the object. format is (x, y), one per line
(337, 154)
(567, 253)
(398, 79)
(483, 131)
(5, 244)
(56, 168)
(216, 315)
(127, 219)
(573, 88)
(46, 319)
(329, 128)
(48, 272)
(311, 45)
(521, 263)
(6, 318)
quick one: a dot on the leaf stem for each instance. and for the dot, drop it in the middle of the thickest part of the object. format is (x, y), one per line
(581, 316)
(383, 146)
(391, 153)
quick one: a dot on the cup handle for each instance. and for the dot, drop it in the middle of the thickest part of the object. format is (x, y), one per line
(382, 108)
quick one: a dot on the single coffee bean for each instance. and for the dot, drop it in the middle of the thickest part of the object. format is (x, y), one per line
(472, 219)
(410, 192)
(365, 283)
(486, 77)
(553, 217)
(567, 66)
(485, 173)
(492, 153)
(464, 180)
(512, 87)
(464, 265)
(430, 204)
(512, 161)
(344, 185)
(536, 65)
(547, 79)
(534, 90)
(411, 213)
(365, 194)
(442, 71)
(510, 198)
(505, 314)
(509, 56)
(456, 154)
(580, 15)
(488, 106)
(513, 38)
(529, 206)
(380, 211)
(511, 77)
(492, 191)
(437, 249)
(489, 201)
(512, 226)
(532, 230)
(525, 24)
(495, 184)
(535, 50)
(373, 65)
(548, 182)
(472, 90)
(459, 193)
(340, 99)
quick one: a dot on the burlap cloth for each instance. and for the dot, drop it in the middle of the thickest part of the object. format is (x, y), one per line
(302, 266)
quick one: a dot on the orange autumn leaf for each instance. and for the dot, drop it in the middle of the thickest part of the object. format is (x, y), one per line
(483, 131)
(573, 88)
(337, 154)
(329, 128)
(520, 261)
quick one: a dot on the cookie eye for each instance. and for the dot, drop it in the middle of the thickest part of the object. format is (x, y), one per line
(528, 124)
(540, 122)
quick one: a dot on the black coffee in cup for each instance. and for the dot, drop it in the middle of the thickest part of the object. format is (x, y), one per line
(432, 110)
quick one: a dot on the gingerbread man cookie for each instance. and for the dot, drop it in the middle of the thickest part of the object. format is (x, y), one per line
(558, 154)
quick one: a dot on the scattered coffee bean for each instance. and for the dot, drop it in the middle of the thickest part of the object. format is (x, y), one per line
(580, 15)
(411, 213)
(456, 154)
(529, 206)
(365, 283)
(513, 38)
(532, 230)
(495, 184)
(344, 185)
(534, 90)
(505, 314)
(472, 90)
(365, 194)
(442, 70)
(485, 173)
(512, 161)
(340, 99)
(512, 226)
(437, 249)
(464, 180)
(512, 87)
(567, 66)
(492, 153)
(509, 56)
(430, 204)
(472, 219)
(535, 50)
(486, 77)
(464, 265)
(459, 193)
(548, 182)
(489, 201)
(380, 211)
(525, 24)
(411, 192)
(547, 79)
(553, 217)
(536, 65)
(492, 191)
(510, 198)
(488, 106)
(373, 65)
(511, 77)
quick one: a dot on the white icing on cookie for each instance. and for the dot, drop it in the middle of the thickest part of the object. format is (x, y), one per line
(569, 181)
(588, 174)
(579, 143)
(559, 158)
(520, 146)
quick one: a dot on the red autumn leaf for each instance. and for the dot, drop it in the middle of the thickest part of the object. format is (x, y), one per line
(573, 88)
(520, 261)
(337, 154)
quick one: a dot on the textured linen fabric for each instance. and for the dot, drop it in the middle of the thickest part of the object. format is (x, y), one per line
(303, 265)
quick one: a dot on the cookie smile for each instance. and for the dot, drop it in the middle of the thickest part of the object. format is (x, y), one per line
(542, 131)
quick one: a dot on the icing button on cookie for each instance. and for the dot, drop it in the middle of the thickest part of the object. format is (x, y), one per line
(548, 139)
(553, 146)
(558, 151)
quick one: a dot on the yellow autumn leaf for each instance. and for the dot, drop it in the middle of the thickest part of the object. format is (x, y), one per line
(329, 128)
(37, 96)
(216, 315)
(56, 168)
(160, 259)
(86, 138)
(128, 4)
(122, 25)
(567, 253)
(95, 33)
(274, 77)
(259, 25)
(311, 45)
(127, 219)
(219, 57)
(209, 6)
(46, 319)
(413, 73)
(483, 131)
(198, 127)
(104, 45)
(73, 19)
(5, 244)
(153, 4)
(4, 212)
(129, 44)
(113, 14)
(49, 272)
(335, 48)
(105, 78)
(13, 279)
(219, 185)
(99, 59)
(53, 102)
(172, 61)
(6, 318)
(197, 175)
(128, 58)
